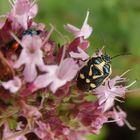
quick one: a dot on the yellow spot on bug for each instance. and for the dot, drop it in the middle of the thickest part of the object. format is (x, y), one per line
(96, 76)
(90, 71)
(100, 66)
(87, 81)
(92, 85)
(82, 76)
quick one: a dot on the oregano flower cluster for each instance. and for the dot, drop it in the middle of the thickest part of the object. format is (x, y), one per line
(38, 90)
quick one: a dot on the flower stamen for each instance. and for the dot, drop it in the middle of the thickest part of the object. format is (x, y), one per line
(48, 36)
(131, 84)
(16, 38)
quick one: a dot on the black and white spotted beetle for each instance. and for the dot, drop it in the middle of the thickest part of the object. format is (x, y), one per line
(94, 73)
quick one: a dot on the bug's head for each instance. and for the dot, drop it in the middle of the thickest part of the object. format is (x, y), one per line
(106, 58)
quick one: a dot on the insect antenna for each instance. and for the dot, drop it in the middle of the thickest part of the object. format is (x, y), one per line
(120, 55)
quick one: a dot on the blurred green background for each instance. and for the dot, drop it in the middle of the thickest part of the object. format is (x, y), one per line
(116, 25)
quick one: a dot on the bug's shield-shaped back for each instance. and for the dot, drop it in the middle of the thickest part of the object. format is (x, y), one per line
(93, 74)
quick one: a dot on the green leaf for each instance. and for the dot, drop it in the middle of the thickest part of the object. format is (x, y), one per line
(12, 123)
(90, 98)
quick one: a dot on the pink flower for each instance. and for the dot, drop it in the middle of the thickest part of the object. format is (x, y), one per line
(119, 116)
(7, 133)
(85, 30)
(78, 42)
(57, 75)
(12, 85)
(45, 67)
(81, 54)
(108, 92)
(66, 131)
(22, 12)
(97, 124)
(91, 116)
(31, 56)
(43, 131)
(77, 135)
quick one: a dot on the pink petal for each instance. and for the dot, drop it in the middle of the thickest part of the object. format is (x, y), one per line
(42, 81)
(108, 104)
(7, 133)
(22, 59)
(12, 85)
(22, 6)
(81, 54)
(31, 56)
(57, 76)
(85, 31)
(33, 11)
(30, 72)
(23, 21)
(71, 28)
(57, 83)
(67, 69)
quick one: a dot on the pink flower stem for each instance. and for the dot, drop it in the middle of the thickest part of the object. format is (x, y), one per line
(60, 34)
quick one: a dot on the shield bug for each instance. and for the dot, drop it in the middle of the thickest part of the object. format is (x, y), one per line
(94, 73)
